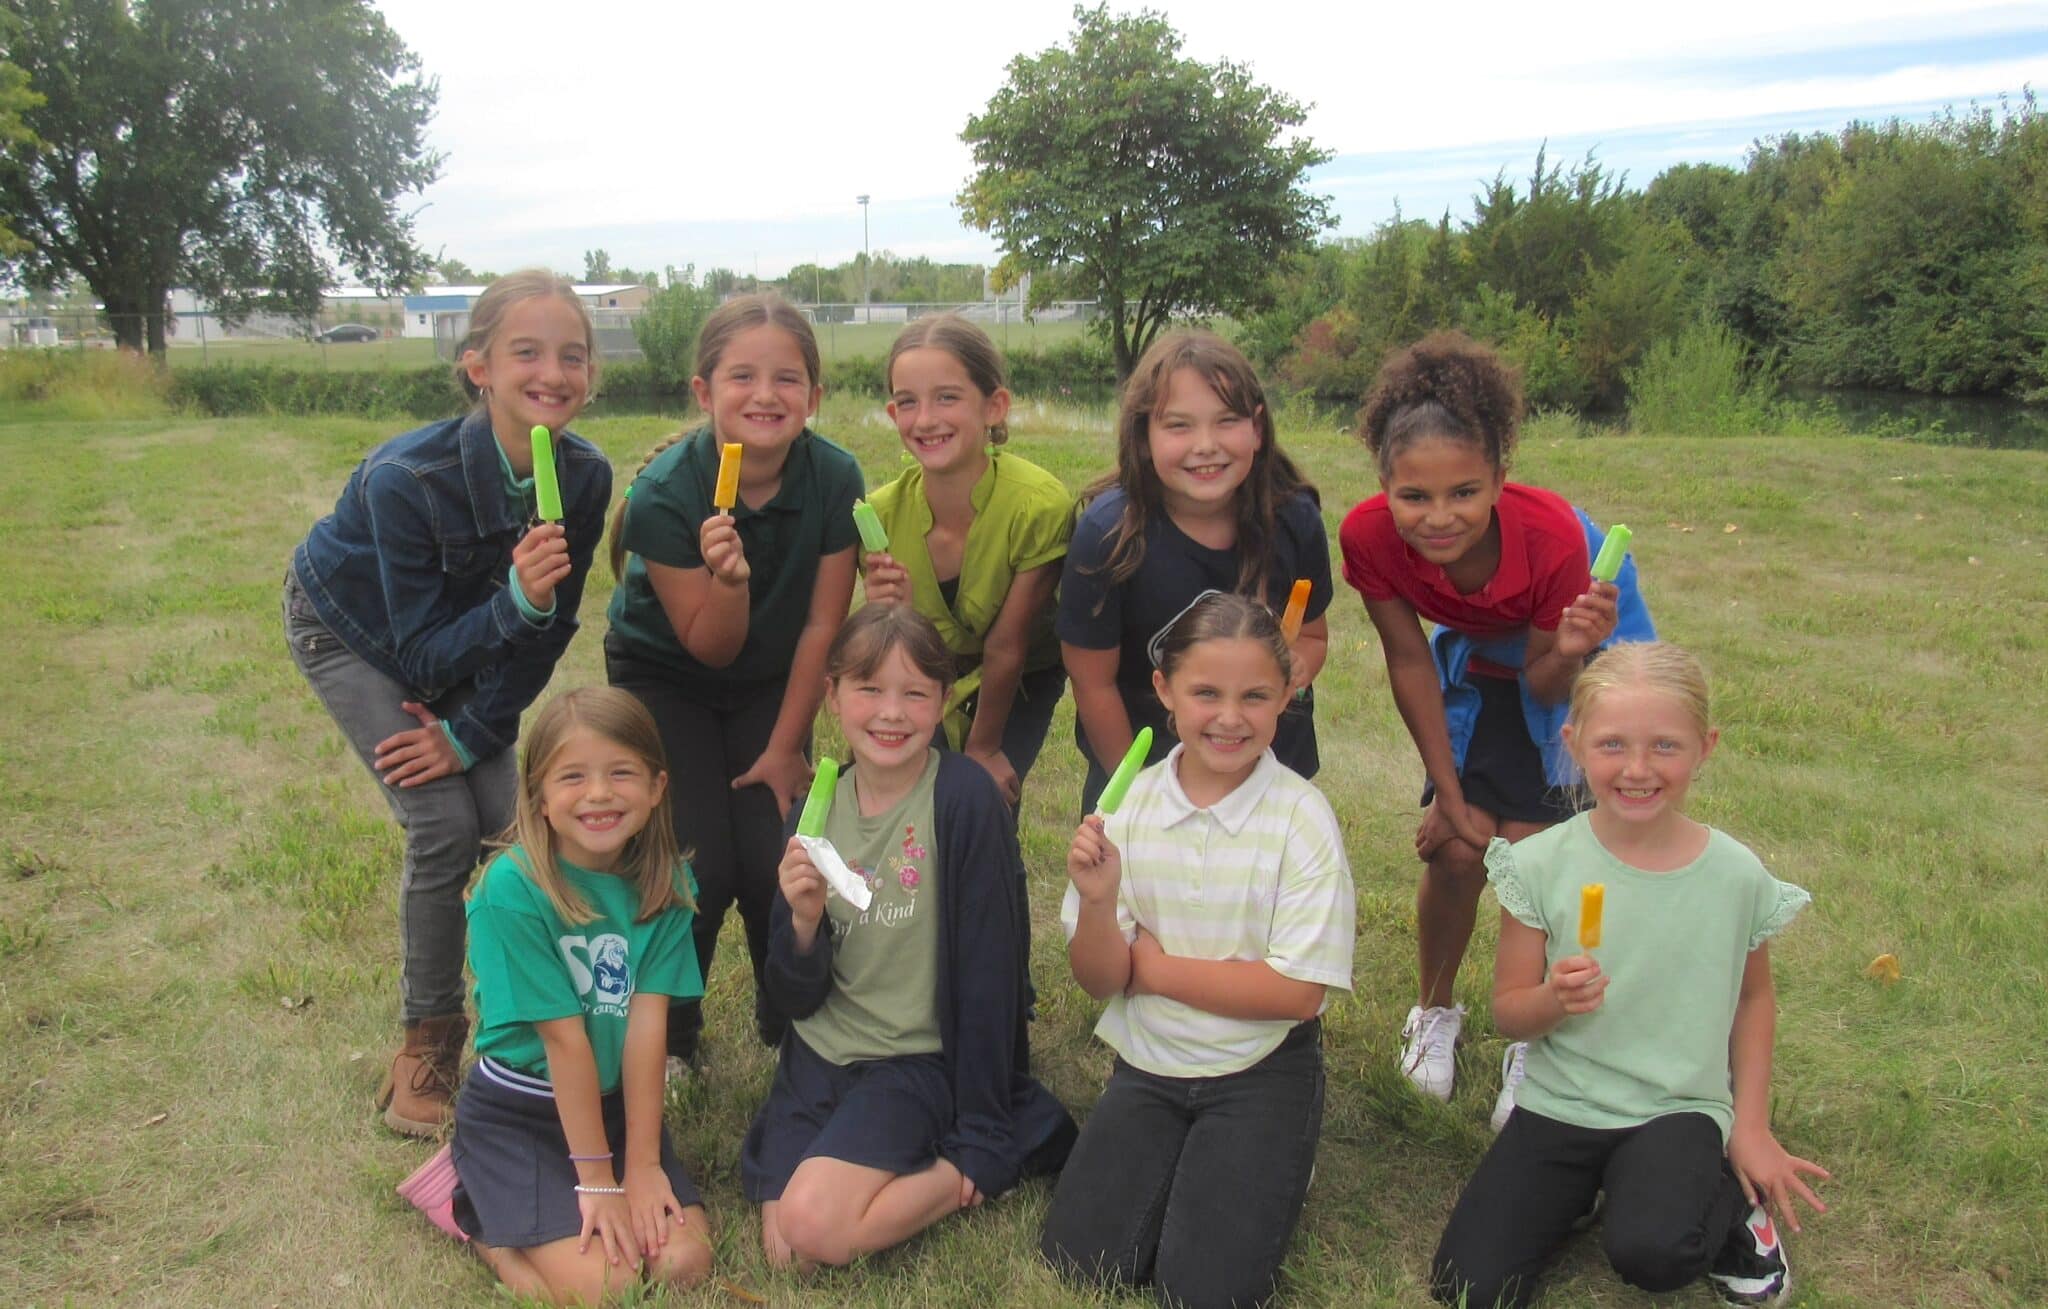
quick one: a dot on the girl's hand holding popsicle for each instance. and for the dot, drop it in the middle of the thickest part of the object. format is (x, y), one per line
(541, 560)
(804, 887)
(884, 581)
(718, 540)
(1093, 863)
(1588, 621)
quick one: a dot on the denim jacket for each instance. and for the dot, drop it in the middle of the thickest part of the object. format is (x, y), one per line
(410, 571)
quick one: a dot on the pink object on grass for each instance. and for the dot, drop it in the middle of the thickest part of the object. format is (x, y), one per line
(431, 1189)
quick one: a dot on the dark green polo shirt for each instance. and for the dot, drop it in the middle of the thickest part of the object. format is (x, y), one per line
(812, 515)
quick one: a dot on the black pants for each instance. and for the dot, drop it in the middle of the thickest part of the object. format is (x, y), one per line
(1192, 1184)
(1671, 1202)
(735, 836)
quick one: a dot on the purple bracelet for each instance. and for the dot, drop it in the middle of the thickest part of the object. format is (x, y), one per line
(589, 1158)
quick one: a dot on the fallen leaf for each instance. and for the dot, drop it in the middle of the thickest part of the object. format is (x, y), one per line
(1730, 528)
(1677, 526)
(1884, 968)
(291, 1002)
(738, 1292)
(1975, 560)
(154, 1119)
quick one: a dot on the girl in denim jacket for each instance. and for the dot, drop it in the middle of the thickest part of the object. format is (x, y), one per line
(429, 609)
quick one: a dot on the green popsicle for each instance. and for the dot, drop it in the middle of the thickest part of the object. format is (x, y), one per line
(1608, 566)
(872, 534)
(1120, 780)
(547, 492)
(819, 802)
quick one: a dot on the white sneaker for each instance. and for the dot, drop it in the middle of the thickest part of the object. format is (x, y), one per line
(1430, 1057)
(1511, 1073)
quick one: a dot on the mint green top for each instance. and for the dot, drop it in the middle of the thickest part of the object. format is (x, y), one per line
(1673, 946)
(531, 966)
(884, 999)
(1023, 516)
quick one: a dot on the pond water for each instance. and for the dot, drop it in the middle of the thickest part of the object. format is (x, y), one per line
(1989, 421)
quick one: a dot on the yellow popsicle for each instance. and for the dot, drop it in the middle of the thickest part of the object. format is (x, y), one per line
(727, 493)
(1592, 899)
(1297, 605)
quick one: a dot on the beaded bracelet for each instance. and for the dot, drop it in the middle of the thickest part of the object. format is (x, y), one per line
(589, 1158)
(599, 1190)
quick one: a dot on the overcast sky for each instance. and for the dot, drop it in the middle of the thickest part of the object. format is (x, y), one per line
(739, 134)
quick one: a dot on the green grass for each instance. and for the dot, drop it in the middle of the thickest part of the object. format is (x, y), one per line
(197, 952)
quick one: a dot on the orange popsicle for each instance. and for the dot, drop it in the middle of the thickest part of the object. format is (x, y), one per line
(727, 493)
(1297, 605)
(1592, 899)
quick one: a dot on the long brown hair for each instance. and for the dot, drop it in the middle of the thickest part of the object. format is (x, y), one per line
(739, 314)
(487, 316)
(652, 859)
(1274, 479)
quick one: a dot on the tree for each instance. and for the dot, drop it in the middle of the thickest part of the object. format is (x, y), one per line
(1167, 181)
(231, 146)
(15, 98)
(667, 328)
(597, 266)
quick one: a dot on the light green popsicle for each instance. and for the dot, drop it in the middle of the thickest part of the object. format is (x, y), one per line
(819, 802)
(1608, 566)
(872, 534)
(1120, 780)
(547, 492)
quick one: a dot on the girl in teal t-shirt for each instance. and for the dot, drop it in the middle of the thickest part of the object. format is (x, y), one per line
(1656, 1092)
(579, 936)
(976, 537)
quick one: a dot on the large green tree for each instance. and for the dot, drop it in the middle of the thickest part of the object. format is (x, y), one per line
(15, 98)
(1171, 186)
(243, 148)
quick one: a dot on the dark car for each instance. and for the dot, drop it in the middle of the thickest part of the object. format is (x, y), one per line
(342, 333)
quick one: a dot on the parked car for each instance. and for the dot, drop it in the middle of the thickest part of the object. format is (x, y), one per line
(342, 333)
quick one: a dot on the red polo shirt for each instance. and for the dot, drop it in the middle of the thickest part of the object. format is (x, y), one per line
(1543, 567)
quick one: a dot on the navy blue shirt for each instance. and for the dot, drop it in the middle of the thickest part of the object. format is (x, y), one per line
(410, 571)
(1177, 570)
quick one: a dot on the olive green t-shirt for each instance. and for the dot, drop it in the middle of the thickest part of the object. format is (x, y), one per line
(810, 516)
(531, 966)
(885, 960)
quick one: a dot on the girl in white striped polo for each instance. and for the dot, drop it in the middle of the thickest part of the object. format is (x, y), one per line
(1214, 912)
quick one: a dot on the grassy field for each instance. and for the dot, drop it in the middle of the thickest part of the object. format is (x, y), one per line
(835, 341)
(197, 949)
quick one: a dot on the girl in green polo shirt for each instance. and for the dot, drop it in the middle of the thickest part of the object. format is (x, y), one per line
(722, 616)
(976, 538)
(579, 936)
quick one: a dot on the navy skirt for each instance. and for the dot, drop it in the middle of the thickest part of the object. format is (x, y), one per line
(888, 1114)
(1503, 769)
(516, 1186)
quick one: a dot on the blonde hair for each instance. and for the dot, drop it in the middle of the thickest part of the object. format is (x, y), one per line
(652, 859)
(739, 314)
(487, 316)
(1655, 665)
(964, 341)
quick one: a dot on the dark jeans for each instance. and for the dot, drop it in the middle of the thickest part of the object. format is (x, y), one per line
(1192, 1184)
(1671, 1202)
(735, 836)
(446, 822)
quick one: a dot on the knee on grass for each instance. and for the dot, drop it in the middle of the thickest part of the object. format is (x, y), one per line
(1651, 1261)
(1453, 1284)
(814, 1231)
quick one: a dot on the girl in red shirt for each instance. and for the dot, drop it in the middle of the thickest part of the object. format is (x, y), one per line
(1504, 567)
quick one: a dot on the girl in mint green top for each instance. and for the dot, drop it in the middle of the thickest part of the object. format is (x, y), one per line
(1649, 1010)
(579, 936)
(976, 539)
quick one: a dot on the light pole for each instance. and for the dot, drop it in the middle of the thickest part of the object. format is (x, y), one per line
(867, 309)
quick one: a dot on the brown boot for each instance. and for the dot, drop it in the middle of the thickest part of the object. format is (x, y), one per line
(418, 1093)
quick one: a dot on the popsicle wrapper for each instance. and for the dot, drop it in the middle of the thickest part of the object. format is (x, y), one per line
(1607, 566)
(825, 858)
(727, 493)
(873, 537)
(1297, 606)
(1120, 780)
(547, 492)
(1592, 899)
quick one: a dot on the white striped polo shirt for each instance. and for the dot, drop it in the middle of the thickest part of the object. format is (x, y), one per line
(1261, 874)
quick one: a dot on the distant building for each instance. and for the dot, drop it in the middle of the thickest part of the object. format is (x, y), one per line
(422, 311)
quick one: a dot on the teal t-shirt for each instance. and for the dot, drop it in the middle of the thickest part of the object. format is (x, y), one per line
(884, 999)
(810, 516)
(1673, 946)
(532, 967)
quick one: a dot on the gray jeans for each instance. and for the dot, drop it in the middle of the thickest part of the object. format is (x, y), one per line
(446, 822)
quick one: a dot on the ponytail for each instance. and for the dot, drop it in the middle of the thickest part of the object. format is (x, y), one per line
(618, 524)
